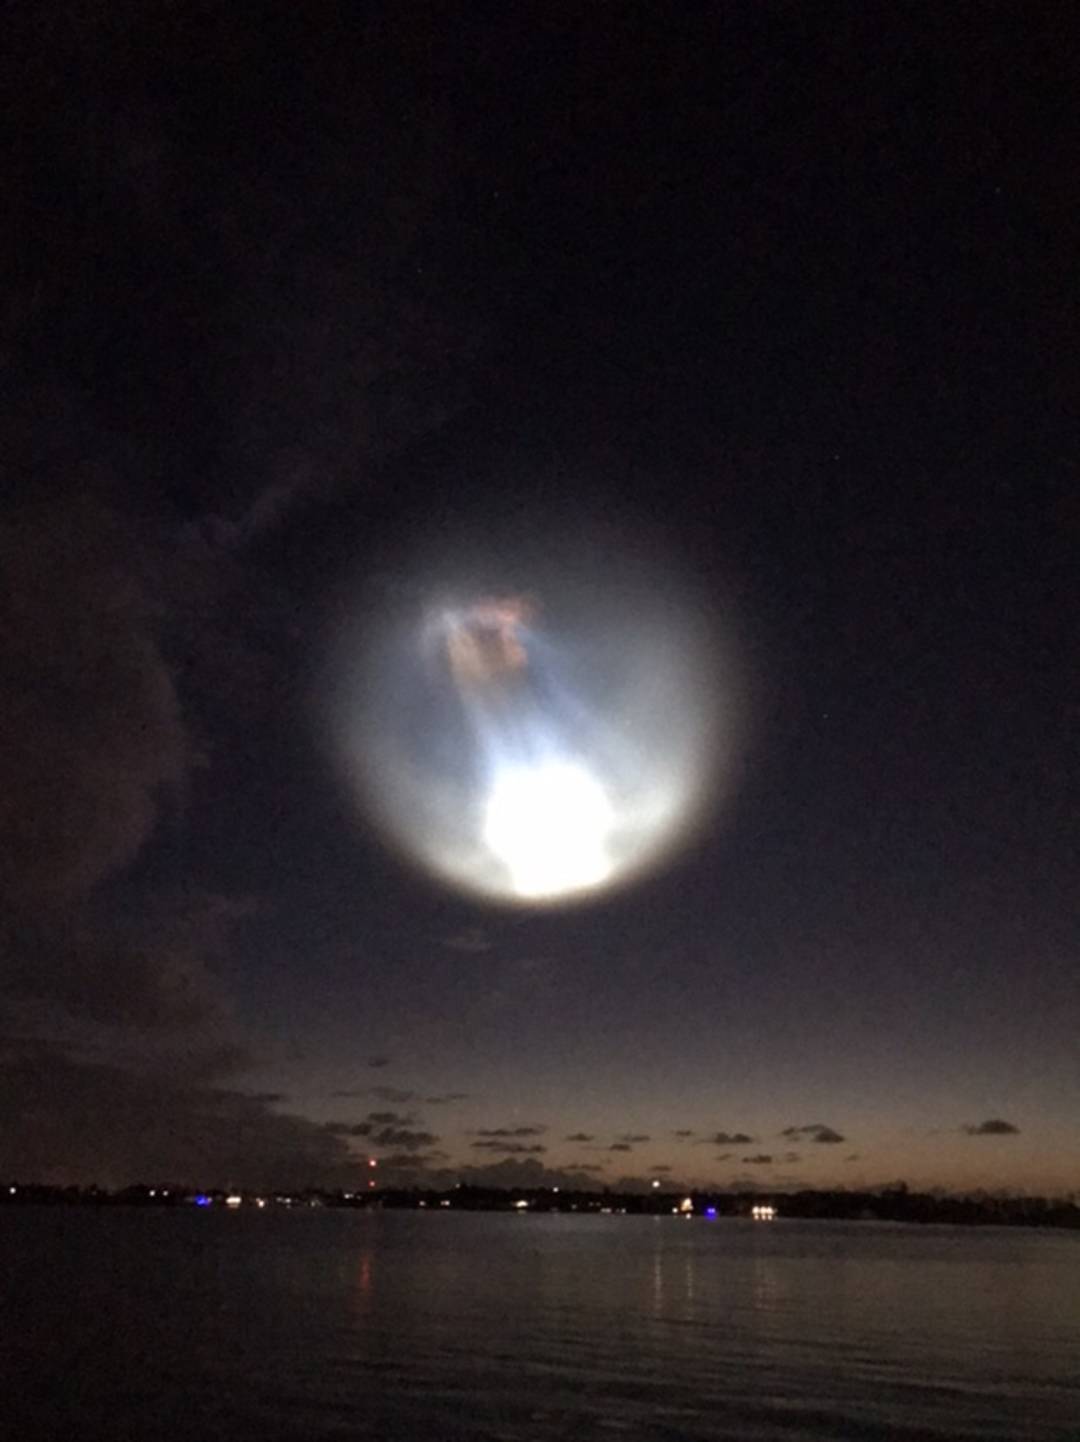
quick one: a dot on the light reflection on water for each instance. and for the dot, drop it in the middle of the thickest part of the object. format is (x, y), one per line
(416, 1325)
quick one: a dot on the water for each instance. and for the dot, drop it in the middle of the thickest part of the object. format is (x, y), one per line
(270, 1325)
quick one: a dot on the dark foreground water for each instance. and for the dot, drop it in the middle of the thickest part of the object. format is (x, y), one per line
(270, 1325)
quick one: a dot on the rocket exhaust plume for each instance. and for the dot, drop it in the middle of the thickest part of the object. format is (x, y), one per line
(544, 741)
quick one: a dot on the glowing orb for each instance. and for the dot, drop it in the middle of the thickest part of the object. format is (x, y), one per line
(540, 725)
(551, 827)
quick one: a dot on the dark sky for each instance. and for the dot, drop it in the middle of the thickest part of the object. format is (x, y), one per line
(790, 290)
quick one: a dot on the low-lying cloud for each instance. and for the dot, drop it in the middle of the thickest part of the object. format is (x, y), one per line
(727, 1139)
(528, 1131)
(814, 1132)
(510, 1148)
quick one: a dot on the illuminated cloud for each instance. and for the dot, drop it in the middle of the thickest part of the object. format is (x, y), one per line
(994, 1127)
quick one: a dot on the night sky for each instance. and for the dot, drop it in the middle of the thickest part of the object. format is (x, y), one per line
(298, 294)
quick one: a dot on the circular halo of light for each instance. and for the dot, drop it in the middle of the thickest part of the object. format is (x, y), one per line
(537, 724)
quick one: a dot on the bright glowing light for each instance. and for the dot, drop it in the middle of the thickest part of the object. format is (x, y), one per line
(521, 1205)
(550, 825)
(233, 1200)
(686, 1205)
(546, 734)
(655, 1184)
(763, 1213)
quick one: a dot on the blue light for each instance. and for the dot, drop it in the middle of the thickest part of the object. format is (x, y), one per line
(202, 1201)
(710, 1211)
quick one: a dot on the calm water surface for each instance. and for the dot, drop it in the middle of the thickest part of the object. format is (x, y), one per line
(310, 1325)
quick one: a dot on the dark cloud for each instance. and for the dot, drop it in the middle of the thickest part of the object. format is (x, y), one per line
(520, 1172)
(580, 1137)
(386, 1129)
(511, 1148)
(386, 1094)
(409, 1162)
(763, 1159)
(403, 1137)
(726, 1139)
(378, 1061)
(658, 1169)
(633, 1137)
(724, 1157)
(620, 1147)
(443, 1098)
(66, 1119)
(994, 1127)
(154, 971)
(814, 1132)
(94, 739)
(853, 1158)
(531, 1131)
(685, 1132)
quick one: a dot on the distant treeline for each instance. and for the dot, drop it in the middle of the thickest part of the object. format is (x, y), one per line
(893, 1204)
